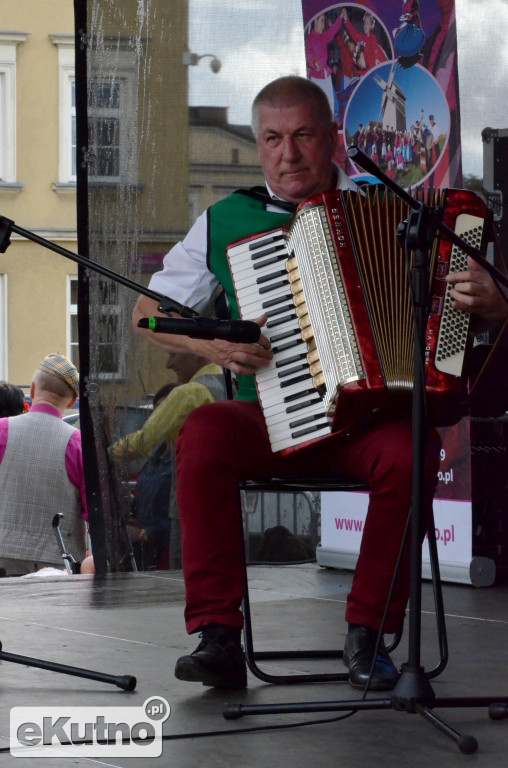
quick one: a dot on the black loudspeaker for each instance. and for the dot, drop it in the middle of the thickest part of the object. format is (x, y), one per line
(489, 479)
(489, 426)
(495, 178)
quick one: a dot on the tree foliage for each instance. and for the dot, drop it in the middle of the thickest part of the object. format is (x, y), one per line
(473, 182)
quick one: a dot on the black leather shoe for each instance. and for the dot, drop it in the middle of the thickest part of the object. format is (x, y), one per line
(358, 655)
(218, 660)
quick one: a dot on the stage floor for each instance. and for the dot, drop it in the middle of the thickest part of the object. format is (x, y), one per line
(132, 624)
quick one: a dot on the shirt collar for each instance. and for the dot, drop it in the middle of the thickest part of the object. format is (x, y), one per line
(44, 408)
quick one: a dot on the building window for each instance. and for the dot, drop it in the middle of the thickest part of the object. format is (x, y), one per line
(72, 320)
(71, 122)
(3, 328)
(107, 358)
(107, 355)
(8, 46)
(194, 208)
(112, 121)
(111, 357)
(220, 193)
(104, 128)
(67, 109)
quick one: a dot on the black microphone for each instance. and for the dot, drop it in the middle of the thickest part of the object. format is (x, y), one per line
(237, 331)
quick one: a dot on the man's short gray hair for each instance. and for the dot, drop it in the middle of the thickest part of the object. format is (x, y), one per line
(288, 92)
(46, 382)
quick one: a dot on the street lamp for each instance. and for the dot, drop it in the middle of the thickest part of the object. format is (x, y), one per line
(193, 59)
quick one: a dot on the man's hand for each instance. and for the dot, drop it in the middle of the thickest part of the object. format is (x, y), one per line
(475, 291)
(239, 358)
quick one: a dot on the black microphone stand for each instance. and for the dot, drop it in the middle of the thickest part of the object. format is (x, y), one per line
(126, 682)
(189, 324)
(7, 226)
(413, 692)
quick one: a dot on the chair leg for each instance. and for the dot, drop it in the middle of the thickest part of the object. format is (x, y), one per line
(251, 656)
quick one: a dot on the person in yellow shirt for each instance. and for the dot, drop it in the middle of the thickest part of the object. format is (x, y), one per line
(154, 507)
(199, 382)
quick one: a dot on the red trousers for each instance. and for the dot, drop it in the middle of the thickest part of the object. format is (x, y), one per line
(225, 442)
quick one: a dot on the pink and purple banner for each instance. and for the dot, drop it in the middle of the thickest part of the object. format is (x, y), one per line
(389, 69)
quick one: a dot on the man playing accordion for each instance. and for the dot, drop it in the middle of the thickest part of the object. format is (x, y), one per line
(225, 442)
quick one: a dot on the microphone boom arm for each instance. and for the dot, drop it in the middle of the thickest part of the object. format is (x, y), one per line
(165, 304)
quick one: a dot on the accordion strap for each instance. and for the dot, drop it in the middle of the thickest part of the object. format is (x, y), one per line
(261, 194)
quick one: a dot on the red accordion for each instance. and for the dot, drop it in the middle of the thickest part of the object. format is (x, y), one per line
(335, 287)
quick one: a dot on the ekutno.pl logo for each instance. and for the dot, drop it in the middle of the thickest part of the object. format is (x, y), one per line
(89, 731)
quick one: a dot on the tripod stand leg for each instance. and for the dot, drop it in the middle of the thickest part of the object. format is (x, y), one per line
(498, 711)
(235, 711)
(467, 744)
(126, 682)
(438, 601)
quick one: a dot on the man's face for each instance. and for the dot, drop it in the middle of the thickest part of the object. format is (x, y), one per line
(296, 150)
(183, 364)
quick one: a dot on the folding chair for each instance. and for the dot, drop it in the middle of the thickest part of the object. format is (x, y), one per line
(339, 483)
